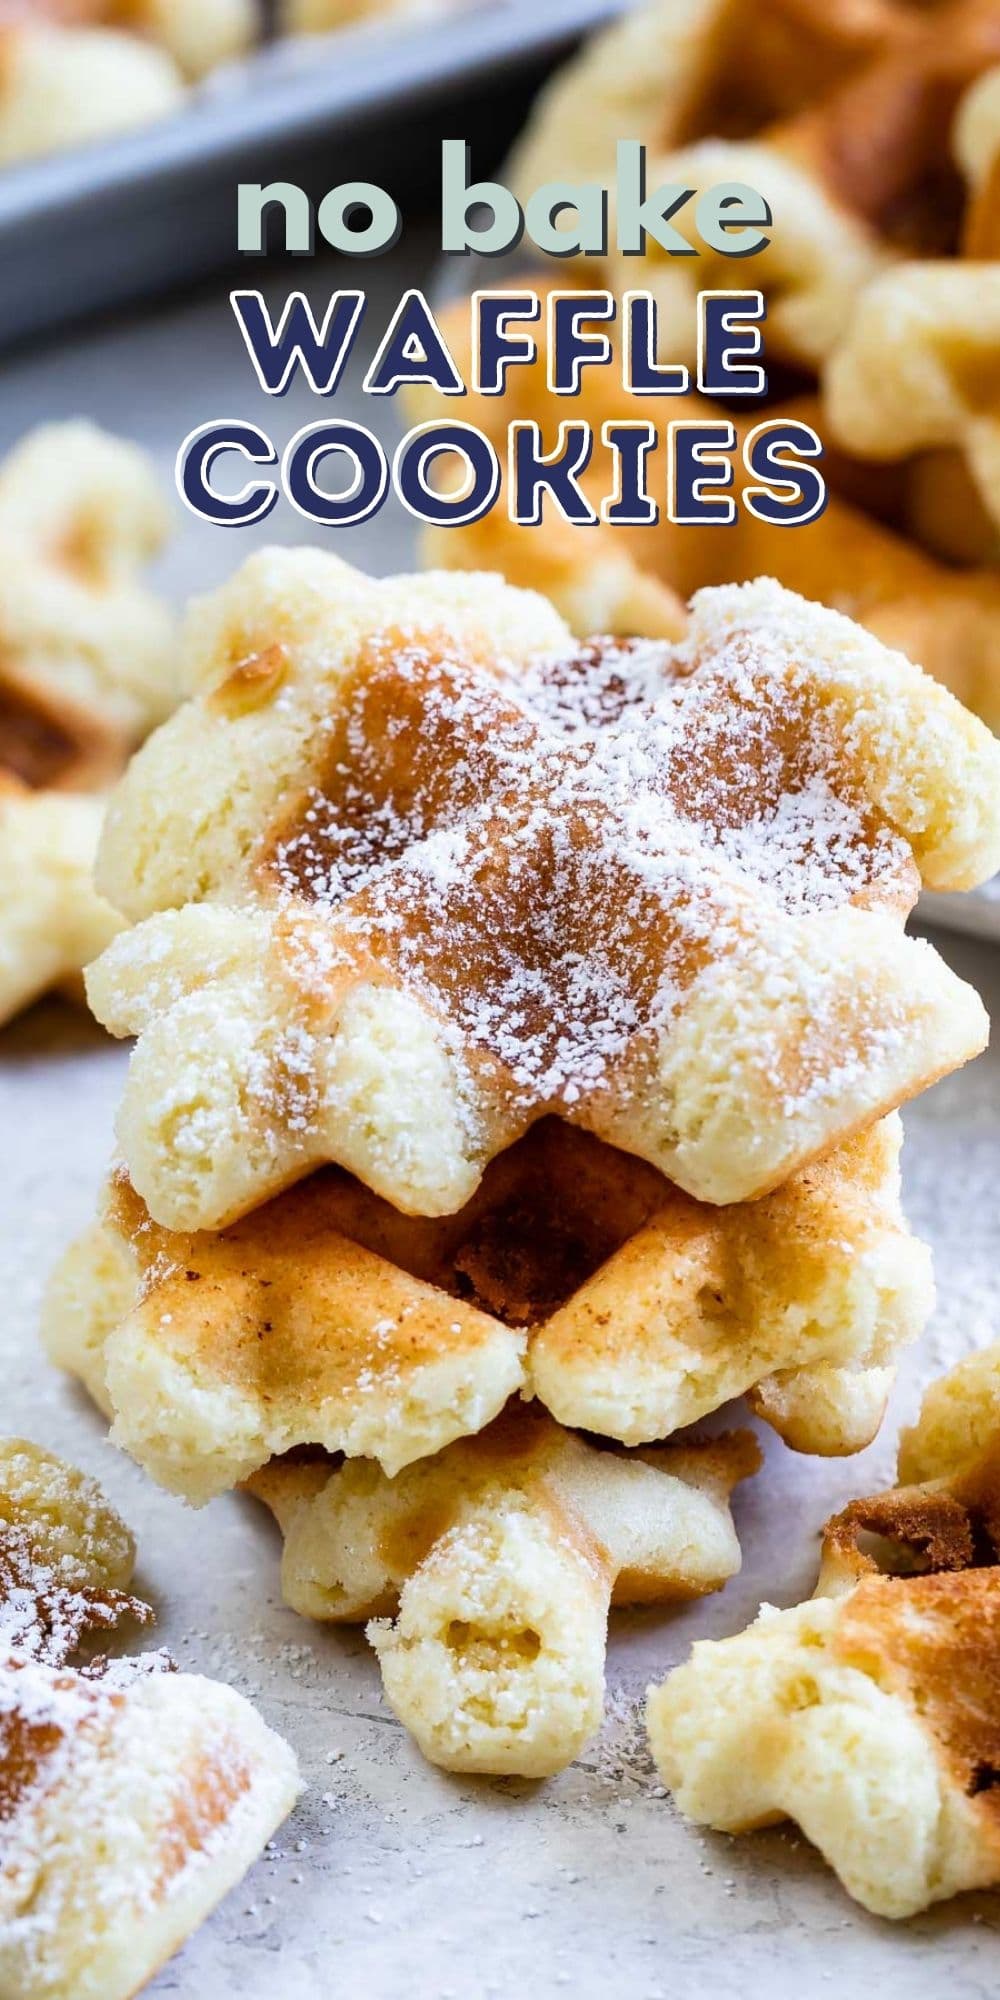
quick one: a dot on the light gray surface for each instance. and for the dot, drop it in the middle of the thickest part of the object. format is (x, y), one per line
(410, 1883)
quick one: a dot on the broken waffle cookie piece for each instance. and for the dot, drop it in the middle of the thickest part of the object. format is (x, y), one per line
(869, 1714)
(66, 1558)
(86, 648)
(919, 369)
(959, 1419)
(575, 1273)
(52, 921)
(503, 1555)
(415, 868)
(131, 1798)
(86, 670)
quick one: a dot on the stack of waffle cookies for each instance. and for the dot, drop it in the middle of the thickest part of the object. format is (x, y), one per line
(873, 132)
(522, 1023)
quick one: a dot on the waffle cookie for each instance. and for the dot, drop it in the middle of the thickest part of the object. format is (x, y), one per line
(837, 115)
(868, 1714)
(874, 133)
(318, 17)
(959, 1419)
(908, 550)
(66, 1559)
(73, 71)
(197, 34)
(87, 649)
(65, 85)
(919, 369)
(500, 1558)
(86, 670)
(131, 1798)
(415, 868)
(575, 1274)
(976, 144)
(52, 921)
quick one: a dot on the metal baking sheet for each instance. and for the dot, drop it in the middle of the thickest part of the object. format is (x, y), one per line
(123, 218)
(976, 914)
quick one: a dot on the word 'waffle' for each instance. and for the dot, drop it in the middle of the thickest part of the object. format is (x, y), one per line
(416, 869)
(131, 1798)
(869, 1714)
(503, 1555)
(575, 1274)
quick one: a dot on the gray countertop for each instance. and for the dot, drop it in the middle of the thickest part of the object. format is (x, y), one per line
(393, 1879)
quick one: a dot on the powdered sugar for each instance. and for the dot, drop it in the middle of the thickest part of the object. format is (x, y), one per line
(548, 859)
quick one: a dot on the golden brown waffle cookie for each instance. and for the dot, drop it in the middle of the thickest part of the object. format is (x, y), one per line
(503, 1555)
(317, 17)
(869, 1714)
(976, 144)
(198, 34)
(920, 369)
(87, 649)
(801, 1300)
(86, 669)
(575, 1273)
(131, 1798)
(884, 550)
(416, 868)
(835, 114)
(959, 1419)
(52, 921)
(915, 379)
(842, 118)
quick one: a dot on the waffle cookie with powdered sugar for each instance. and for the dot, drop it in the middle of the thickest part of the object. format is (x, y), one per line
(415, 868)
(131, 1797)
